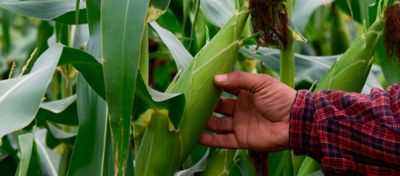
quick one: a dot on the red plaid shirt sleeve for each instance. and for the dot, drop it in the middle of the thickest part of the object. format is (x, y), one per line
(349, 133)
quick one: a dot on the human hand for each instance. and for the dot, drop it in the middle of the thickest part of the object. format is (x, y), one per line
(257, 120)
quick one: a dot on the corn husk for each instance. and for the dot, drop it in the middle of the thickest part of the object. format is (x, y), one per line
(196, 82)
(219, 163)
(164, 146)
(350, 71)
(160, 148)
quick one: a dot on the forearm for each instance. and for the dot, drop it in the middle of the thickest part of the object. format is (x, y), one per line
(348, 132)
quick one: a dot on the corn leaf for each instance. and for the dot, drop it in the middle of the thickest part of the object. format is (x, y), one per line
(181, 56)
(91, 154)
(41, 75)
(87, 65)
(303, 10)
(218, 12)
(63, 11)
(49, 159)
(60, 111)
(122, 25)
(148, 98)
(148, 101)
(29, 163)
(308, 166)
(59, 133)
(59, 105)
(14, 96)
(309, 68)
(26, 145)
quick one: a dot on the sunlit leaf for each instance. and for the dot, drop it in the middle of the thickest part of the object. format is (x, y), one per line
(218, 12)
(45, 9)
(49, 160)
(303, 10)
(181, 56)
(14, 95)
(28, 163)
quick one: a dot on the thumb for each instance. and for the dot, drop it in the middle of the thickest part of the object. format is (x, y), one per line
(235, 81)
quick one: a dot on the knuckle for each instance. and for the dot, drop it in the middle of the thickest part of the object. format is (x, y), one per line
(265, 82)
(236, 74)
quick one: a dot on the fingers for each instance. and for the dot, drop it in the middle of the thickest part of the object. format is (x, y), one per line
(219, 140)
(233, 82)
(226, 106)
(220, 125)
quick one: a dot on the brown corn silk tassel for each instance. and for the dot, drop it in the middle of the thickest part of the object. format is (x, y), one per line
(392, 30)
(270, 21)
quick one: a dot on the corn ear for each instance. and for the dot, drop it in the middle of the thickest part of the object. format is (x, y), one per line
(350, 71)
(160, 147)
(196, 82)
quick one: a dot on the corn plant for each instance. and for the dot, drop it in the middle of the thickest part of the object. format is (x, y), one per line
(103, 87)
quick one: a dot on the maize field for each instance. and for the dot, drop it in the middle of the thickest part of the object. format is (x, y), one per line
(125, 87)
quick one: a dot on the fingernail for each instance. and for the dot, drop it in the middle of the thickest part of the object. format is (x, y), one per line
(221, 78)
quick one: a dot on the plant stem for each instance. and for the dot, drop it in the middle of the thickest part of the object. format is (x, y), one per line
(289, 7)
(287, 64)
(287, 73)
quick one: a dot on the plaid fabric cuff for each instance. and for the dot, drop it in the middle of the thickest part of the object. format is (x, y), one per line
(303, 136)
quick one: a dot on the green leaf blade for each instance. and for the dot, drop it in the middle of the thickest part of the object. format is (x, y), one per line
(45, 9)
(122, 24)
(14, 95)
(91, 155)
